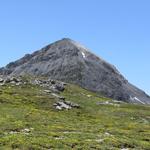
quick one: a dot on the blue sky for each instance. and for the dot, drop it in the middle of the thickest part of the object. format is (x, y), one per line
(117, 30)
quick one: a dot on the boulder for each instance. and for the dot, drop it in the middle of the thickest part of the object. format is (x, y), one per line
(59, 86)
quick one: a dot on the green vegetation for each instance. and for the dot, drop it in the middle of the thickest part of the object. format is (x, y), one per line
(28, 121)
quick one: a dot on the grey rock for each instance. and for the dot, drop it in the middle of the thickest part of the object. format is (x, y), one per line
(58, 96)
(52, 81)
(52, 85)
(58, 107)
(54, 90)
(2, 84)
(65, 105)
(12, 80)
(60, 87)
(7, 80)
(108, 103)
(74, 105)
(68, 61)
(19, 83)
(47, 91)
(1, 80)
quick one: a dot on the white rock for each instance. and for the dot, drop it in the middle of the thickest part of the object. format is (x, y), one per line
(99, 140)
(58, 108)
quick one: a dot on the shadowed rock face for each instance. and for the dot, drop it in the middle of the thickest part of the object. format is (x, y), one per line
(68, 61)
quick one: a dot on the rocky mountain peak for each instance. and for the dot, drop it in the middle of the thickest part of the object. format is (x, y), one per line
(69, 44)
(67, 60)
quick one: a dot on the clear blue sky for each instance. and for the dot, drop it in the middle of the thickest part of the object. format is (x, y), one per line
(117, 30)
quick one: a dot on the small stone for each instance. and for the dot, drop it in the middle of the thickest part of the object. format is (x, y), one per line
(108, 103)
(26, 130)
(13, 82)
(47, 91)
(7, 80)
(58, 107)
(2, 84)
(59, 87)
(1, 80)
(99, 140)
(107, 134)
(19, 83)
(89, 95)
(13, 132)
(57, 96)
(53, 82)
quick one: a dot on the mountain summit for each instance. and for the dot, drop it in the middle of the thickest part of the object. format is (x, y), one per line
(69, 61)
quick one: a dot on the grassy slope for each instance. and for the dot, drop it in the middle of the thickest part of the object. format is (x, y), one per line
(91, 127)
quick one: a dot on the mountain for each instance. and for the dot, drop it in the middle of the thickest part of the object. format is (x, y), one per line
(68, 61)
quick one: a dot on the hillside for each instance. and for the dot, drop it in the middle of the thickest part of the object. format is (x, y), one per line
(29, 120)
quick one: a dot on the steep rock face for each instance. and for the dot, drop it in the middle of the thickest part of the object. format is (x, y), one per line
(68, 61)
